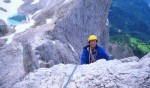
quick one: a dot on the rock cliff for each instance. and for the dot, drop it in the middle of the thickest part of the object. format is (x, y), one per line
(60, 31)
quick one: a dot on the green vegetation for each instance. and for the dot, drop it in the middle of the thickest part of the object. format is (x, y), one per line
(145, 48)
(140, 48)
(129, 25)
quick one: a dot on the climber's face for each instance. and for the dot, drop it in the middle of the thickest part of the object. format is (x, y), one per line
(93, 43)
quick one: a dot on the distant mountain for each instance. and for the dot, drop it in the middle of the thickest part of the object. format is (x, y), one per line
(129, 19)
(130, 16)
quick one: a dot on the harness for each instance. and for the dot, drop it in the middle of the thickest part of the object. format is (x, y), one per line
(92, 54)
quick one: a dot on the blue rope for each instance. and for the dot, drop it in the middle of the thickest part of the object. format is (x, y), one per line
(70, 76)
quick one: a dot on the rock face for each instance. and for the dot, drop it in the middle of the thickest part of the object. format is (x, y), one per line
(3, 28)
(74, 20)
(29, 61)
(11, 65)
(146, 56)
(130, 59)
(7, 1)
(2, 42)
(102, 74)
(58, 41)
(119, 52)
(2, 9)
(72, 23)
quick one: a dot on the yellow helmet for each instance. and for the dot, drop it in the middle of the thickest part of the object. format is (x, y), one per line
(92, 37)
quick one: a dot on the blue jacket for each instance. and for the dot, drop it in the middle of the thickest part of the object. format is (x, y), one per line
(101, 54)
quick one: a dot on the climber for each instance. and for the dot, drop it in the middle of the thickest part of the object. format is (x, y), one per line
(93, 52)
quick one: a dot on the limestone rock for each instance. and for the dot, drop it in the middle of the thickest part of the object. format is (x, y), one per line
(3, 9)
(59, 41)
(3, 28)
(76, 20)
(2, 42)
(102, 74)
(11, 65)
(119, 52)
(29, 61)
(146, 56)
(130, 59)
(7, 1)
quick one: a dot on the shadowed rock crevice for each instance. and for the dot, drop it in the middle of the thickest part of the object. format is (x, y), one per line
(30, 62)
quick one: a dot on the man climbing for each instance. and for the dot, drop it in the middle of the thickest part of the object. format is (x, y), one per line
(93, 52)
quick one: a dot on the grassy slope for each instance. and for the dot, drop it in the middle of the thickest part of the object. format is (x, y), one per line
(140, 48)
(145, 48)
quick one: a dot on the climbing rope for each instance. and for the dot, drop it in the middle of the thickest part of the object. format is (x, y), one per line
(70, 76)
